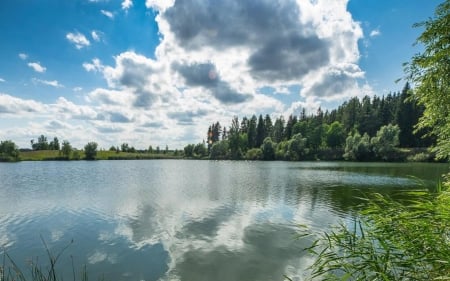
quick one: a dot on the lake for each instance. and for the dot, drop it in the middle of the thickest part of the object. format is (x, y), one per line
(185, 219)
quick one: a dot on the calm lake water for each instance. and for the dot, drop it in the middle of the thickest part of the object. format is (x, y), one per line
(184, 220)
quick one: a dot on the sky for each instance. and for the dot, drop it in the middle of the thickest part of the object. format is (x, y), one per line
(159, 72)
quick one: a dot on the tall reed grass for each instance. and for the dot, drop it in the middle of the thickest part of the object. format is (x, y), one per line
(390, 240)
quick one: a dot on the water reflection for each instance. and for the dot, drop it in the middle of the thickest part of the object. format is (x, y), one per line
(182, 220)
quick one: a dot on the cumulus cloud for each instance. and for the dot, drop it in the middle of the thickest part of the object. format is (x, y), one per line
(36, 66)
(13, 105)
(267, 43)
(78, 39)
(126, 4)
(107, 13)
(53, 83)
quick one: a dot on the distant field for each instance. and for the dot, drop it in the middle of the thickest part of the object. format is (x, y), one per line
(45, 155)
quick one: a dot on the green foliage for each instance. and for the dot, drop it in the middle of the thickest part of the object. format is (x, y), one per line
(189, 150)
(385, 142)
(90, 150)
(66, 149)
(41, 144)
(357, 147)
(254, 154)
(296, 148)
(200, 150)
(281, 151)
(54, 144)
(219, 150)
(390, 240)
(335, 135)
(8, 151)
(234, 139)
(430, 73)
(268, 149)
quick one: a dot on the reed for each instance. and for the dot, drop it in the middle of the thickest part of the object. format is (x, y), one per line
(389, 240)
(11, 271)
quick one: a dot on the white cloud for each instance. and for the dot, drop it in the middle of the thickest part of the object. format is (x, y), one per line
(95, 35)
(52, 83)
(36, 66)
(77, 89)
(95, 66)
(159, 5)
(375, 32)
(2, 80)
(126, 4)
(107, 13)
(23, 56)
(78, 39)
(13, 105)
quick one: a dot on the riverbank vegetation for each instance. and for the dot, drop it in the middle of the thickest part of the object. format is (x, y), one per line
(391, 239)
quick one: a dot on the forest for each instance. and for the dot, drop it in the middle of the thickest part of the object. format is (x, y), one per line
(367, 129)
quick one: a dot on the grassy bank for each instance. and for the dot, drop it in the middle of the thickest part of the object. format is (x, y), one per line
(54, 155)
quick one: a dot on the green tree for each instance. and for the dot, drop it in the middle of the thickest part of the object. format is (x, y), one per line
(300, 127)
(90, 150)
(219, 150)
(251, 132)
(297, 147)
(124, 147)
(335, 135)
(189, 150)
(260, 132)
(200, 150)
(54, 144)
(254, 154)
(268, 126)
(281, 152)
(8, 151)
(429, 71)
(278, 128)
(385, 142)
(234, 139)
(268, 149)
(41, 144)
(357, 147)
(66, 149)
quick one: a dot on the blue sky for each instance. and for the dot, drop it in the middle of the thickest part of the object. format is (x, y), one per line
(158, 72)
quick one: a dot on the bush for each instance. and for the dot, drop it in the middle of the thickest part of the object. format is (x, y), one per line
(8, 151)
(254, 154)
(90, 151)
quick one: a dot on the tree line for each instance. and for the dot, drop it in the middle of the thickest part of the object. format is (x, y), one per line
(359, 129)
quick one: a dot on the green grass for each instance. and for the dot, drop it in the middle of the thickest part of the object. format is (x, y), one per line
(45, 155)
(39, 155)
